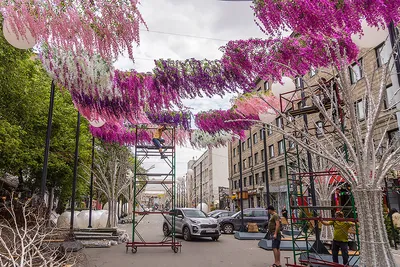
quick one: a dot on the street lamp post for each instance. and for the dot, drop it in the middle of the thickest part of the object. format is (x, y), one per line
(201, 186)
(267, 198)
(91, 187)
(241, 187)
(47, 143)
(75, 176)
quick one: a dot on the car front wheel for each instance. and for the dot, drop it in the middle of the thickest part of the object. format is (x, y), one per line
(186, 234)
(228, 228)
(166, 230)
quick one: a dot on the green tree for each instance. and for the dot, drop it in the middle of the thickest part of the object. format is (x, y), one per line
(24, 102)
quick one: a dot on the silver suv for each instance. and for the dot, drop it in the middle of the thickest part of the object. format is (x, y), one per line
(191, 223)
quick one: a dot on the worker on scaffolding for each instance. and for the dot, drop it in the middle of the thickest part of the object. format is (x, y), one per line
(340, 237)
(158, 141)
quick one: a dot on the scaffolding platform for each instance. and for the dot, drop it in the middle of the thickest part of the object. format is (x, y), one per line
(143, 178)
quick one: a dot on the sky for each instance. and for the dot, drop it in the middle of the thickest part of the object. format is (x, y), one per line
(181, 29)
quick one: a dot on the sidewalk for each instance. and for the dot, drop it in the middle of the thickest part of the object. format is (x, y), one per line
(396, 254)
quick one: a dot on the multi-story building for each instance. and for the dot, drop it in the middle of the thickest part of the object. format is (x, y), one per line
(210, 173)
(254, 172)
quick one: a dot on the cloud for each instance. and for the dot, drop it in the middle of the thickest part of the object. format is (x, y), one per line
(168, 20)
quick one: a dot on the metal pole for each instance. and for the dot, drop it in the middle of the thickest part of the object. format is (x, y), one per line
(241, 187)
(201, 185)
(91, 187)
(47, 142)
(71, 225)
(266, 166)
(267, 198)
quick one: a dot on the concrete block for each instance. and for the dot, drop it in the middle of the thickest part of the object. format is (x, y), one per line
(249, 236)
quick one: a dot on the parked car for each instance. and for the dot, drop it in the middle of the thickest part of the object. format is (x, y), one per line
(252, 215)
(222, 214)
(191, 223)
(211, 213)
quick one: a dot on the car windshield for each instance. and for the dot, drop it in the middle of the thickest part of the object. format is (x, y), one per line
(194, 214)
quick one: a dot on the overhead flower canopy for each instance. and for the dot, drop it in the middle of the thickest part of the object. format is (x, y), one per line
(78, 41)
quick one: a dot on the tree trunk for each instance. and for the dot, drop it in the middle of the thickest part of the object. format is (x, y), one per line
(326, 232)
(112, 213)
(374, 242)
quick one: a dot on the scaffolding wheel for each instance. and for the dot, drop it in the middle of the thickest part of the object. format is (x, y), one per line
(175, 249)
(134, 249)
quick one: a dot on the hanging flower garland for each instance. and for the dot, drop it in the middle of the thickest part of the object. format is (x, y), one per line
(215, 121)
(126, 135)
(251, 104)
(99, 27)
(181, 118)
(323, 17)
(200, 139)
(193, 77)
(271, 59)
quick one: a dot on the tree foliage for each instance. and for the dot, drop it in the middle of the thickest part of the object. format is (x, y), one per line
(24, 106)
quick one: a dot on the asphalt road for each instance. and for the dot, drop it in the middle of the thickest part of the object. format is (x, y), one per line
(198, 253)
(203, 252)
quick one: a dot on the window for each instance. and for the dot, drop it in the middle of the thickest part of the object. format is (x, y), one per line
(261, 134)
(382, 53)
(262, 155)
(297, 82)
(281, 171)
(260, 213)
(266, 86)
(257, 178)
(234, 168)
(279, 122)
(271, 151)
(243, 146)
(272, 173)
(313, 71)
(392, 97)
(246, 213)
(356, 72)
(248, 142)
(269, 129)
(245, 181)
(360, 110)
(393, 135)
(244, 164)
(263, 176)
(291, 144)
(235, 185)
(250, 161)
(255, 140)
(250, 180)
(256, 158)
(281, 147)
(234, 152)
(319, 131)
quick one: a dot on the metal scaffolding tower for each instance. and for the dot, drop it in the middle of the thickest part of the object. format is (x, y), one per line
(166, 179)
(305, 209)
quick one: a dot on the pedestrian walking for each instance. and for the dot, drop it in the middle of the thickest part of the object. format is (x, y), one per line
(285, 212)
(274, 230)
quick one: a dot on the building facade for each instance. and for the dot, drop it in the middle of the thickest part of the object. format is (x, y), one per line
(254, 171)
(210, 174)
